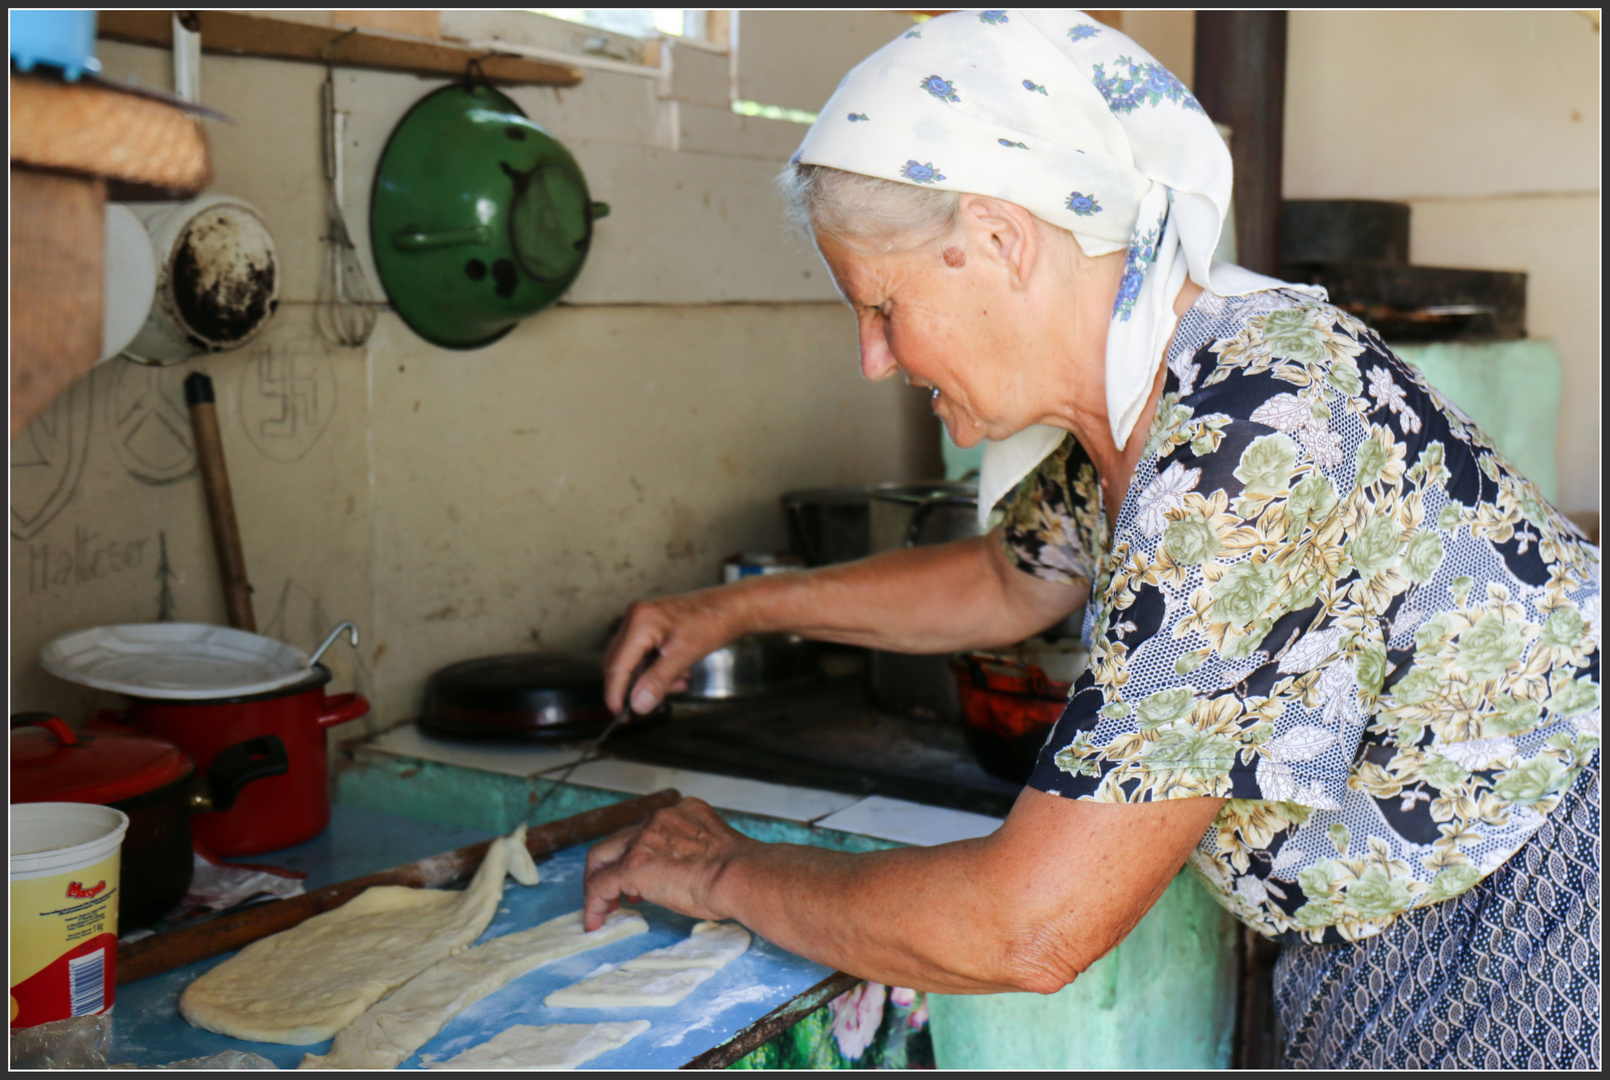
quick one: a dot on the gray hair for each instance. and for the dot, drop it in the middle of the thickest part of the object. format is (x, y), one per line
(864, 212)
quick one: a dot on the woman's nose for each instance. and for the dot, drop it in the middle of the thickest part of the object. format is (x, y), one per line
(877, 360)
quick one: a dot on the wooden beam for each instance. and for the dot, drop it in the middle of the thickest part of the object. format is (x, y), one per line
(415, 23)
(233, 33)
(1240, 80)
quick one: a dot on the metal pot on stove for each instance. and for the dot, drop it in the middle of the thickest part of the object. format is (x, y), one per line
(906, 515)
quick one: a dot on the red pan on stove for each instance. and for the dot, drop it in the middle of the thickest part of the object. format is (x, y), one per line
(529, 697)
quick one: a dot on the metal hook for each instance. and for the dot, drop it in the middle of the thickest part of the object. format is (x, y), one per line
(353, 639)
(324, 53)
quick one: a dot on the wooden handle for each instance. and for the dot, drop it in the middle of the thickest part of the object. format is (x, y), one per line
(220, 502)
(176, 948)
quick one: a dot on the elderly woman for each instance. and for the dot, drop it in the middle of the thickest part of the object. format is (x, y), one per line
(1344, 659)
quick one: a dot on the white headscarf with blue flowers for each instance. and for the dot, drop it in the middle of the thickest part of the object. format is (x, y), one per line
(1074, 122)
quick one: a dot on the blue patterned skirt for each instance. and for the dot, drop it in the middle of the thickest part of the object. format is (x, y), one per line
(1505, 976)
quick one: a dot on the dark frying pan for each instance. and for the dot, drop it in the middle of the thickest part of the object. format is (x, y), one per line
(527, 697)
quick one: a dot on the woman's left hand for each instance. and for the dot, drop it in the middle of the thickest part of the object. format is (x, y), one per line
(673, 859)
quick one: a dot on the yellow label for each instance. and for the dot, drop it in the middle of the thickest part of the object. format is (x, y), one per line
(50, 915)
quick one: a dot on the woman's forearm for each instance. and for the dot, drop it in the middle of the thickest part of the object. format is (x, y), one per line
(907, 917)
(930, 599)
(1026, 908)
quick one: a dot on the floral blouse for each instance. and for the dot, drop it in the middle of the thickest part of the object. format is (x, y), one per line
(1331, 600)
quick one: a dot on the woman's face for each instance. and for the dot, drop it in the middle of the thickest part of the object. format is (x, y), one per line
(967, 319)
(918, 317)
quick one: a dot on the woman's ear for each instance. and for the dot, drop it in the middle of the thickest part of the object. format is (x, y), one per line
(1004, 233)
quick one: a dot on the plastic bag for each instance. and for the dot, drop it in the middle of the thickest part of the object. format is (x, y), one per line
(85, 1041)
(227, 1059)
(81, 1042)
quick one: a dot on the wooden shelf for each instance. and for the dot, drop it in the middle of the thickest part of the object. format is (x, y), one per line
(68, 142)
(98, 131)
(254, 35)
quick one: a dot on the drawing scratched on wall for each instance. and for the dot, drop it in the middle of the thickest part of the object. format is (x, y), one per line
(148, 424)
(287, 398)
(167, 607)
(298, 615)
(91, 556)
(47, 461)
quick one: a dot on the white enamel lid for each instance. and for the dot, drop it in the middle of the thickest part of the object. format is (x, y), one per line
(176, 661)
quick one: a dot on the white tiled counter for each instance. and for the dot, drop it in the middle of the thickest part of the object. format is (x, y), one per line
(406, 758)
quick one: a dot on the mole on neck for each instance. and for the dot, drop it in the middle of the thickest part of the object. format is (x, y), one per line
(955, 257)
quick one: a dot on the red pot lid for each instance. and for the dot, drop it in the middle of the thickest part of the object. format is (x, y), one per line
(52, 763)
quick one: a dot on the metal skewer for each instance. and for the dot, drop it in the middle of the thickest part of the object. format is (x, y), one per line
(591, 752)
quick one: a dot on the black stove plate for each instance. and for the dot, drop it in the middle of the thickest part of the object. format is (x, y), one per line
(827, 736)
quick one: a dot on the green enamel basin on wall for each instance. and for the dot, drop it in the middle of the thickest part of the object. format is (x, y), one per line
(479, 218)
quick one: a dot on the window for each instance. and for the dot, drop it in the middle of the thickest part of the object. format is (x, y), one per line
(639, 22)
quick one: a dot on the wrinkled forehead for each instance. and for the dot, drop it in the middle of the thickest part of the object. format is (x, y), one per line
(863, 278)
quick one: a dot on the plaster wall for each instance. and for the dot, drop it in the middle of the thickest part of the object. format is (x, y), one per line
(453, 504)
(1487, 124)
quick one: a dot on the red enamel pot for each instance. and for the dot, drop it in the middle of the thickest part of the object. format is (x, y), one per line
(276, 812)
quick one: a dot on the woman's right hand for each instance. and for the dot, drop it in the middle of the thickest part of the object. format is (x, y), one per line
(684, 629)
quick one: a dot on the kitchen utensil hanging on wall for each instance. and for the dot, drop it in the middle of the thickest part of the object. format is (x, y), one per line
(345, 314)
(131, 280)
(478, 218)
(217, 282)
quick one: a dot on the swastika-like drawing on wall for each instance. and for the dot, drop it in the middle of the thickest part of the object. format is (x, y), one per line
(148, 424)
(287, 398)
(47, 461)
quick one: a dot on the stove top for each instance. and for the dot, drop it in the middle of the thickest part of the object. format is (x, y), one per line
(826, 736)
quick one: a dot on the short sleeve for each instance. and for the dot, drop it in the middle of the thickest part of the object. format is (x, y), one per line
(1212, 642)
(1054, 527)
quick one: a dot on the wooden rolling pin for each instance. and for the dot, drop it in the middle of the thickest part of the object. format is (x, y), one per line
(220, 502)
(232, 930)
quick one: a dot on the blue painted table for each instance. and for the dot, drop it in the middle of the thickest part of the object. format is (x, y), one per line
(149, 1030)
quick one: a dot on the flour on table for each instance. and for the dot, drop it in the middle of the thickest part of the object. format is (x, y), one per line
(307, 983)
(391, 1030)
(621, 989)
(548, 1046)
(711, 945)
(661, 977)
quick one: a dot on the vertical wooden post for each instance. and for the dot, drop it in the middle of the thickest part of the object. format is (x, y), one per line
(1240, 80)
(220, 502)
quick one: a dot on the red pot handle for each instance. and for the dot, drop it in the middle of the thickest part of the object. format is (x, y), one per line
(342, 708)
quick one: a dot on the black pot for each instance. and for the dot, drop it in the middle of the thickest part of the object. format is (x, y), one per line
(534, 697)
(158, 850)
(829, 525)
(158, 864)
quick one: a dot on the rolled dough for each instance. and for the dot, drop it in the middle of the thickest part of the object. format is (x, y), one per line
(711, 945)
(522, 867)
(391, 1030)
(550, 1046)
(619, 989)
(307, 983)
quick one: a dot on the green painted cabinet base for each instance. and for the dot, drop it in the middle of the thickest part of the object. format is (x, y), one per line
(1164, 999)
(869, 1027)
